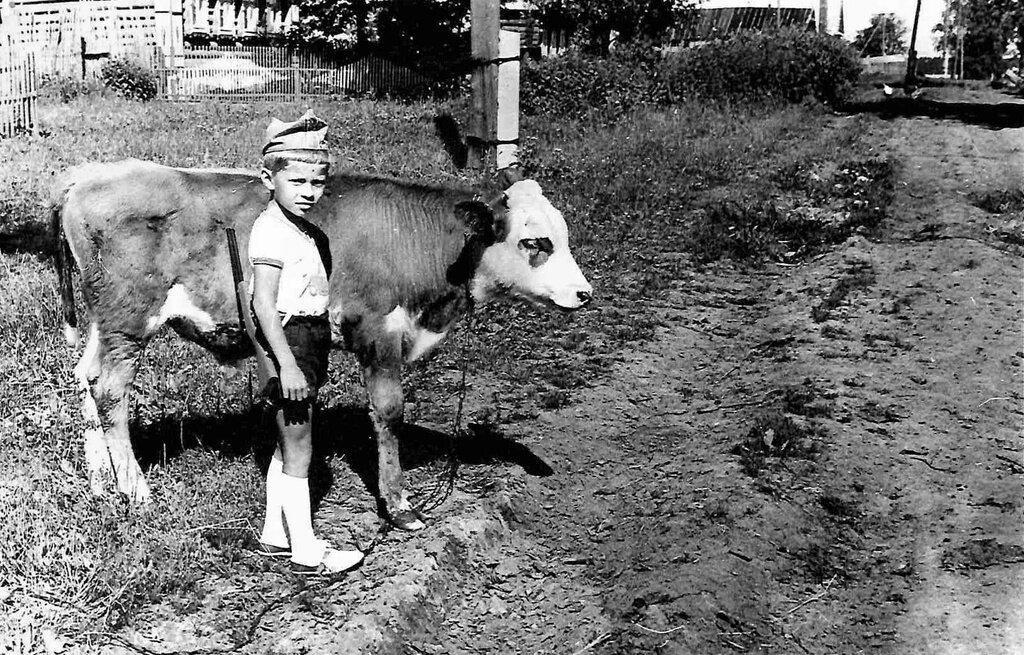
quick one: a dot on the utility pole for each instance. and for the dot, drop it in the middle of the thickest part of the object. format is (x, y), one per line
(945, 41)
(484, 27)
(961, 32)
(910, 81)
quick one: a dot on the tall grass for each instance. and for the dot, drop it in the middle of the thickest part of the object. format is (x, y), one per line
(630, 192)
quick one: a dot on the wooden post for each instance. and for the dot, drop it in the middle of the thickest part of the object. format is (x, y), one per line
(296, 77)
(484, 25)
(910, 81)
(507, 123)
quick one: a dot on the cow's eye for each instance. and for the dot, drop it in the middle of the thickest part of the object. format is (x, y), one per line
(539, 249)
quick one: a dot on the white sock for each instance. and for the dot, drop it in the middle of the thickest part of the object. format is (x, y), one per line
(306, 549)
(273, 523)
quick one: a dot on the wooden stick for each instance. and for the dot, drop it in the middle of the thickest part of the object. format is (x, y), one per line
(593, 643)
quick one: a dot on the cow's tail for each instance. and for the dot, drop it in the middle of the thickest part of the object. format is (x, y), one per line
(62, 259)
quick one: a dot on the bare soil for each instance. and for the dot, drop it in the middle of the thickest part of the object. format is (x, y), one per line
(823, 457)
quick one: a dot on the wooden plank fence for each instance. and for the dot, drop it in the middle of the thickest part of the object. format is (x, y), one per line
(267, 73)
(17, 95)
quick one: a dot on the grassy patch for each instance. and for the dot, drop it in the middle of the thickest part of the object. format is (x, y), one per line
(820, 212)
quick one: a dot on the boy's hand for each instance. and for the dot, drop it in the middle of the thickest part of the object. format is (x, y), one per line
(293, 383)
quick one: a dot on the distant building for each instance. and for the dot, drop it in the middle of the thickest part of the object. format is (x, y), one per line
(716, 18)
(67, 35)
(237, 19)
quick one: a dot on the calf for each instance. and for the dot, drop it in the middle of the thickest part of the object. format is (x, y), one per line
(408, 261)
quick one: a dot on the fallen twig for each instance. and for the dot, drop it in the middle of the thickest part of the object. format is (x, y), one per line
(818, 596)
(991, 399)
(218, 525)
(930, 465)
(593, 643)
(660, 632)
(1018, 467)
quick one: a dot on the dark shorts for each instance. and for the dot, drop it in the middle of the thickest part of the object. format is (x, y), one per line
(309, 338)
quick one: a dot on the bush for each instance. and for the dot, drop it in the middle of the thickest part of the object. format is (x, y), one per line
(129, 78)
(783, 65)
(791, 65)
(574, 84)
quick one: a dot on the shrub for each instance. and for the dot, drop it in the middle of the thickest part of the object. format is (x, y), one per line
(574, 84)
(783, 65)
(64, 87)
(129, 78)
(791, 65)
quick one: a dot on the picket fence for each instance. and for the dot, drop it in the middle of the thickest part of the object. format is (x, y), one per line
(267, 73)
(17, 95)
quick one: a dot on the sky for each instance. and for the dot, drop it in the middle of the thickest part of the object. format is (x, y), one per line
(858, 15)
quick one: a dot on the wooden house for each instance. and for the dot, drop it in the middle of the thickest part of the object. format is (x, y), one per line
(72, 37)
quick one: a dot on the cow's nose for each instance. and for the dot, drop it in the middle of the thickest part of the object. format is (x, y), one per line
(585, 297)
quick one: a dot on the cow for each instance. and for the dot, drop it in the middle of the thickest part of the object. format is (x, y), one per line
(409, 259)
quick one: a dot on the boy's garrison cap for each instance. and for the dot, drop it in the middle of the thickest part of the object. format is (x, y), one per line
(307, 133)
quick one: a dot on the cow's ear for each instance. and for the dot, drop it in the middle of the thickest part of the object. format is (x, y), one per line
(509, 176)
(499, 218)
(489, 221)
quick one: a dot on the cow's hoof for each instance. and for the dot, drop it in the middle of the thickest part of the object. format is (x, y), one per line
(408, 519)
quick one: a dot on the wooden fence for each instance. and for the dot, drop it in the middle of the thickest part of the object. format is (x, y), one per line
(265, 73)
(17, 95)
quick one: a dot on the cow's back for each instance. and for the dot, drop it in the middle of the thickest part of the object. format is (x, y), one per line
(392, 241)
(137, 229)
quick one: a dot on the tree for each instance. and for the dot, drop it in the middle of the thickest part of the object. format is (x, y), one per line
(336, 24)
(988, 27)
(886, 35)
(595, 22)
(432, 33)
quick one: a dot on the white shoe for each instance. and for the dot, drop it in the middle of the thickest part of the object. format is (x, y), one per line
(330, 562)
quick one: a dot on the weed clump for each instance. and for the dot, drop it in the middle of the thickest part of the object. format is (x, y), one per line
(774, 435)
(1000, 201)
(65, 88)
(854, 200)
(129, 78)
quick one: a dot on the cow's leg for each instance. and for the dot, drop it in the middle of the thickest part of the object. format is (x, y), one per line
(384, 387)
(119, 360)
(97, 459)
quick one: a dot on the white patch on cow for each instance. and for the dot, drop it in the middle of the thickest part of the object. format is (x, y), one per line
(97, 457)
(559, 280)
(179, 305)
(417, 341)
(88, 366)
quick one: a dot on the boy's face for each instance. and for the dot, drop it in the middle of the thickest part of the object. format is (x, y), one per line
(297, 187)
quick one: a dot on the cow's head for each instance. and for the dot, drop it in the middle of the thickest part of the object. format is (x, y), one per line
(530, 257)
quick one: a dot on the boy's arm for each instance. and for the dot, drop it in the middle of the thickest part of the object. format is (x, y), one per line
(264, 302)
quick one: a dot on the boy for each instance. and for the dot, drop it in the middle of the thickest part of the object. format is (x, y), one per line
(291, 263)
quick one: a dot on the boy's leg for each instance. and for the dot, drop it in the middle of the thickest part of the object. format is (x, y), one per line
(297, 449)
(273, 538)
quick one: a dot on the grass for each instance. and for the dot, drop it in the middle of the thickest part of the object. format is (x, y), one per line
(631, 192)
